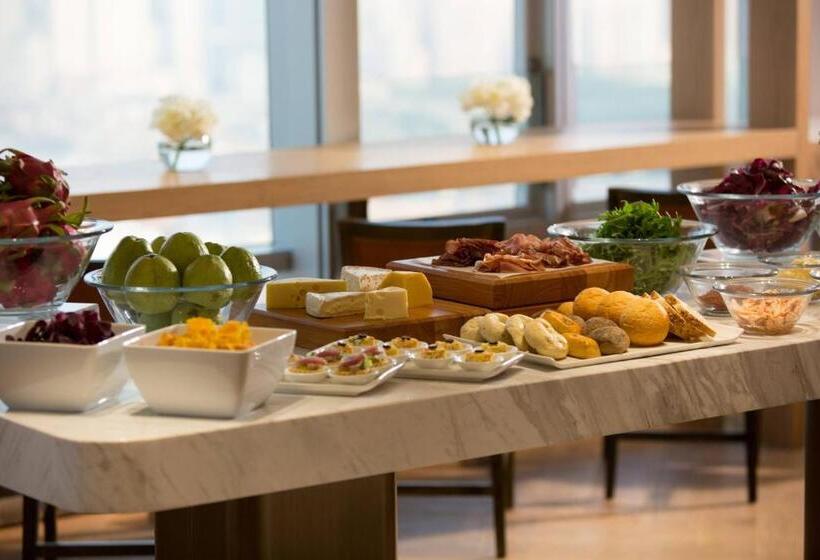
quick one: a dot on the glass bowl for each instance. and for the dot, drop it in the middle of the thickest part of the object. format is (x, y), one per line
(160, 307)
(795, 265)
(766, 305)
(751, 224)
(700, 278)
(37, 274)
(657, 262)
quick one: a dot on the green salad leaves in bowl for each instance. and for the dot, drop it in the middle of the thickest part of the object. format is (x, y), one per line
(637, 233)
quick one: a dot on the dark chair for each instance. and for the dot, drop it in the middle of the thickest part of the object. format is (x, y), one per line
(366, 243)
(749, 436)
(50, 547)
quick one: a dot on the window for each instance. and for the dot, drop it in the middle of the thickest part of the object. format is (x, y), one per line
(737, 62)
(619, 71)
(415, 58)
(87, 80)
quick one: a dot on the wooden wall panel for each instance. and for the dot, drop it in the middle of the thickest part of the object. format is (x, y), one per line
(698, 76)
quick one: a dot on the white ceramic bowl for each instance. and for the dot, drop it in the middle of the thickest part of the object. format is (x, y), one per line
(480, 366)
(432, 363)
(210, 383)
(302, 377)
(61, 377)
(410, 351)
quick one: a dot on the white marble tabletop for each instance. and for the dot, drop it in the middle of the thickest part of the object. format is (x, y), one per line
(124, 458)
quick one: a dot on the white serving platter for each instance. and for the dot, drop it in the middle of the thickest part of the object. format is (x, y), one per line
(725, 335)
(455, 373)
(332, 388)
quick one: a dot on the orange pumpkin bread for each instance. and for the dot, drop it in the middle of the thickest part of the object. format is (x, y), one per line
(645, 322)
(587, 301)
(613, 305)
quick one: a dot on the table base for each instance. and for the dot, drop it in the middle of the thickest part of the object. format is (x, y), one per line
(811, 527)
(354, 520)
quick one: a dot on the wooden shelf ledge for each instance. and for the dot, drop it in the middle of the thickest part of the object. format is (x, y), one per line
(344, 172)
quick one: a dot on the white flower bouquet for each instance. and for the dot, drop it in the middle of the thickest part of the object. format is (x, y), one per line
(498, 107)
(186, 124)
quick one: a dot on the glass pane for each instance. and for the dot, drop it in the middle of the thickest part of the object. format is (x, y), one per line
(737, 63)
(93, 70)
(620, 60)
(415, 58)
(596, 187)
(620, 71)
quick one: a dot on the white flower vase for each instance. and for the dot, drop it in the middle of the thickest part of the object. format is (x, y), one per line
(494, 132)
(192, 154)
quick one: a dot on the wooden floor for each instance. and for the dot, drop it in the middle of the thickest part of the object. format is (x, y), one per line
(673, 501)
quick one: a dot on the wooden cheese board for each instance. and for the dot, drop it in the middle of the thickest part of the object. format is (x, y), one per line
(425, 323)
(498, 291)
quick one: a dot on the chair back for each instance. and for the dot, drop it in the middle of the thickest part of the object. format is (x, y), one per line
(669, 202)
(83, 293)
(365, 243)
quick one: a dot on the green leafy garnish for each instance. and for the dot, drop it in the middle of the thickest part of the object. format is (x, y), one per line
(656, 265)
(638, 220)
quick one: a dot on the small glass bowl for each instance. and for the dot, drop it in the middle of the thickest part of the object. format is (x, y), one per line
(766, 305)
(795, 265)
(160, 307)
(700, 278)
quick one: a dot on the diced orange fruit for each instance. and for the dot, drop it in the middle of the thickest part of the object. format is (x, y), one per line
(203, 333)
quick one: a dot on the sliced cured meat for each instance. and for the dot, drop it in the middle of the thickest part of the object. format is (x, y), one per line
(560, 251)
(520, 253)
(520, 243)
(509, 263)
(465, 251)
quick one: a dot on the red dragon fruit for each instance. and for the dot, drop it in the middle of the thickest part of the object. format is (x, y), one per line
(31, 177)
(34, 203)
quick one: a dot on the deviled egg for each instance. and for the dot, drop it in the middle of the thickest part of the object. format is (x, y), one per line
(432, 357)
(311, 369)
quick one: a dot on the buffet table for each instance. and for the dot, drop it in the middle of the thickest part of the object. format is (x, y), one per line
(311, 477)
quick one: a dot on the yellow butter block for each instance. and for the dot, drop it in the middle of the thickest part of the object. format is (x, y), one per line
(290, 293)
(419, 292)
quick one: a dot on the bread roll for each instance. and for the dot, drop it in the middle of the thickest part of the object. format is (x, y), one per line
(611, 340)
(492, 326)
(470, 330)
(515, 327)
(580, 346)
(596, 323)
(545, 340)
(561, 322)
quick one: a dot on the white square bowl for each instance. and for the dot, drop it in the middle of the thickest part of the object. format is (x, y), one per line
(55, 377)
(209, 383)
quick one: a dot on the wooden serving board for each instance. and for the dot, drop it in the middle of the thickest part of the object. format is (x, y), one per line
(510, 290)
(425, 323)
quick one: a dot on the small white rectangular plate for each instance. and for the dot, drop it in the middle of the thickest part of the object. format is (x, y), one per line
(329, 387)
(455, 373)
(725, 335)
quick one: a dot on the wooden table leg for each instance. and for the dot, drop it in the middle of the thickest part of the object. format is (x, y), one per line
(353, 520)
(811, 527)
